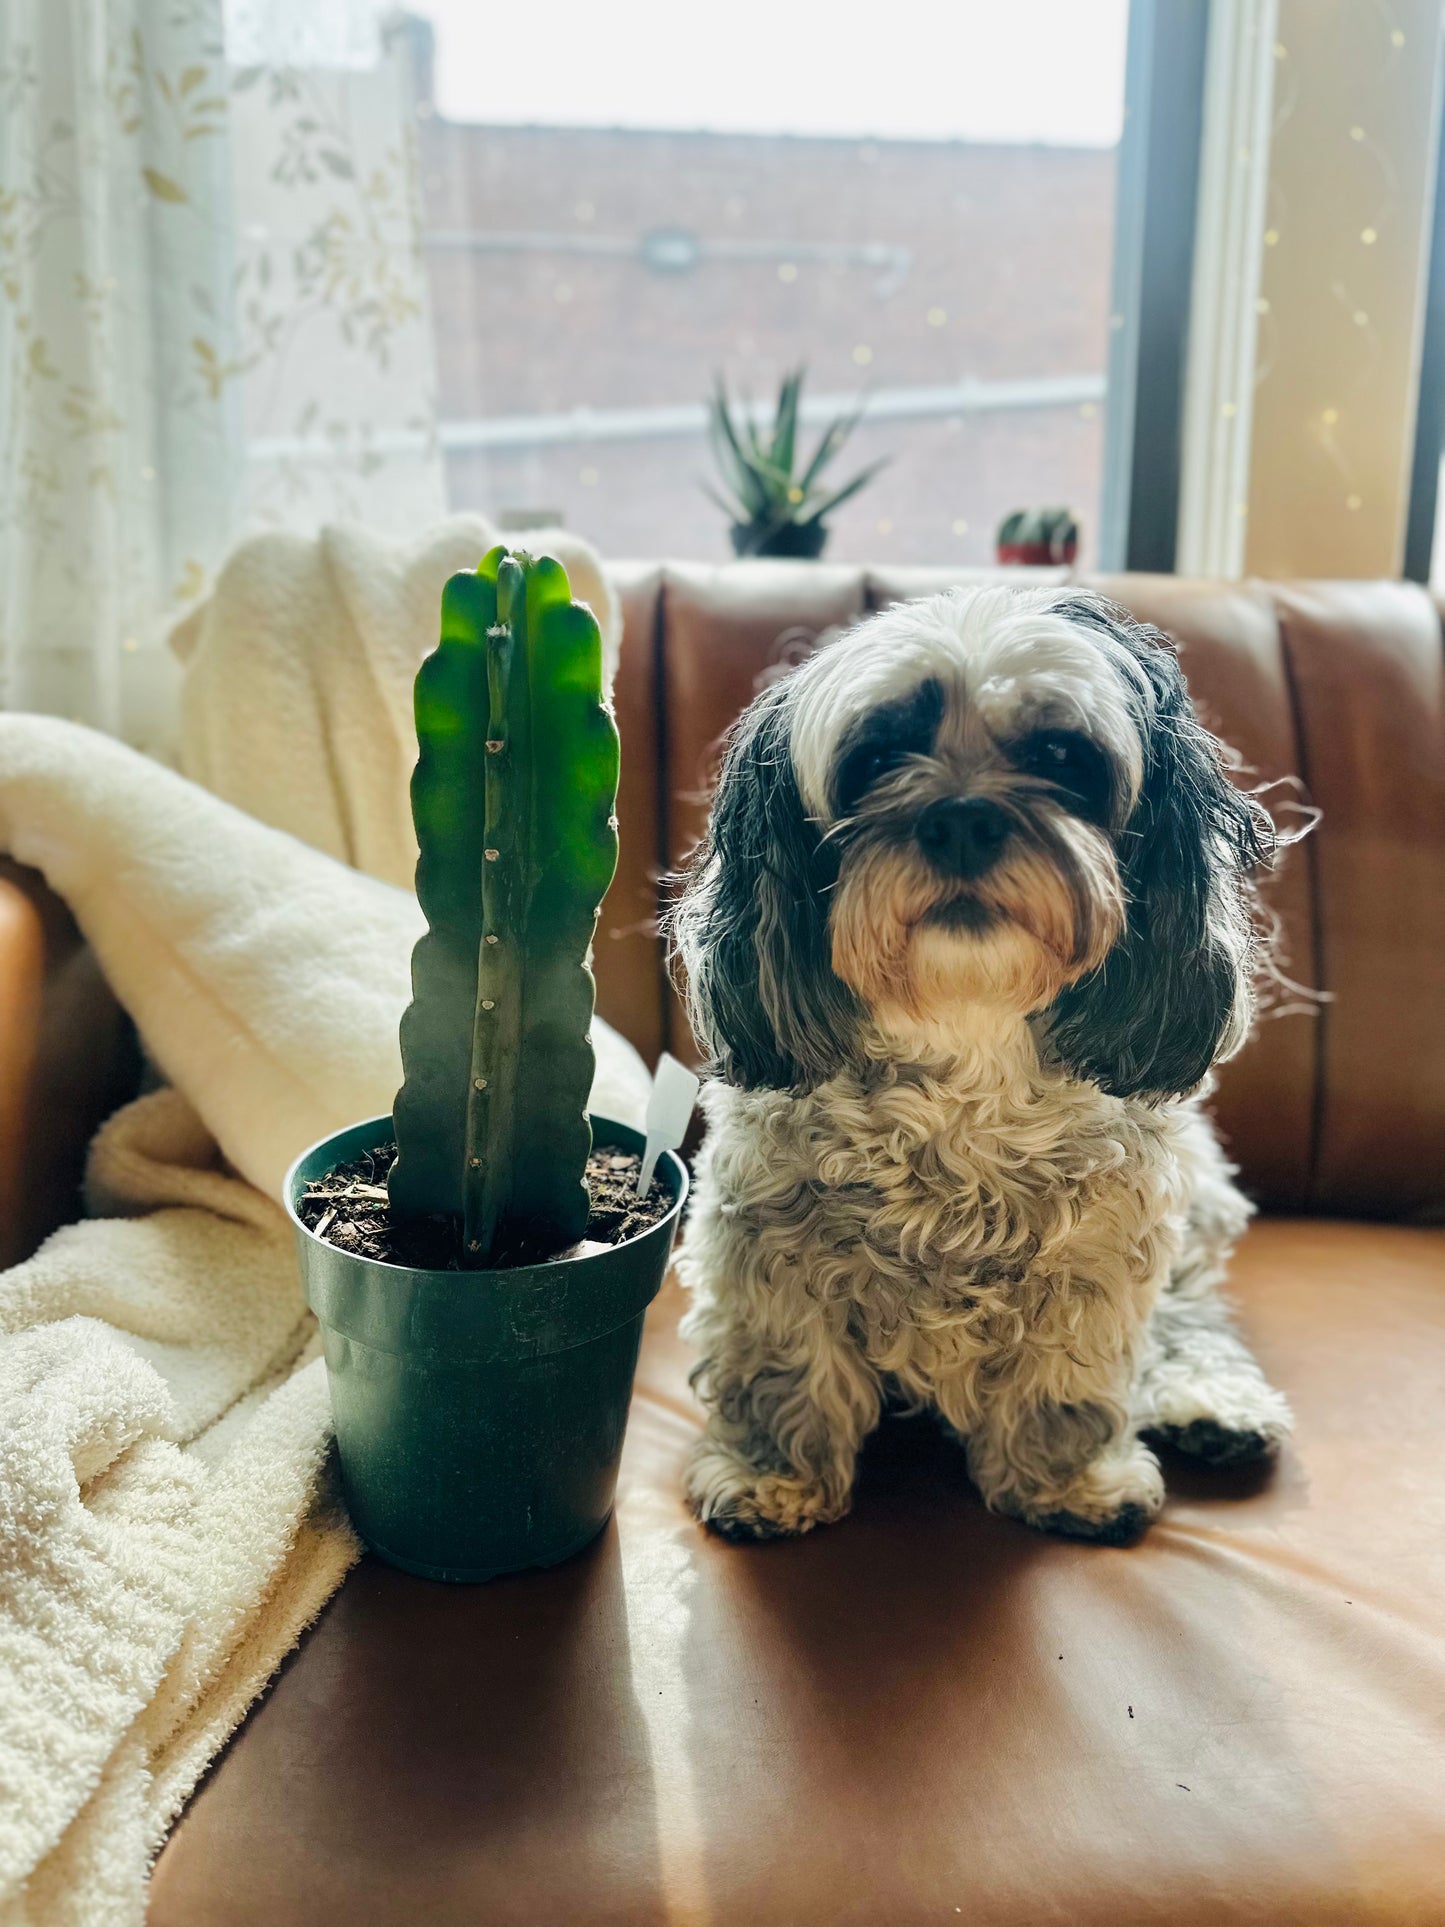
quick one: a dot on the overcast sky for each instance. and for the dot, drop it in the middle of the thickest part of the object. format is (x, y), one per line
(984, 70)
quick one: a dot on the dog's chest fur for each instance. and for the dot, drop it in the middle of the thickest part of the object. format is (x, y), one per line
(941, 1210)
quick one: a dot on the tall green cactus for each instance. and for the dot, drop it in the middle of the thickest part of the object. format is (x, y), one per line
(513, 799)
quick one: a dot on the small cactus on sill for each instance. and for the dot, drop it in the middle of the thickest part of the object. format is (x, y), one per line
(1038, 537)
(513, 798)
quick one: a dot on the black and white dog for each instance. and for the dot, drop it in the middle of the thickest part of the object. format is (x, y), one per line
(972, 921)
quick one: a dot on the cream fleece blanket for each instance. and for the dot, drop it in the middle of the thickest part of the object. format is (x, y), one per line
(167, 1526)
(296, 704)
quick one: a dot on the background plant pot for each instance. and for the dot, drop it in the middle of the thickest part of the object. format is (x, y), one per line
(479, 1415)
(805, 541)
(1038, 555)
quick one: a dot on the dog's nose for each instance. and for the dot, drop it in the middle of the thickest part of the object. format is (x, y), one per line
(962, 835)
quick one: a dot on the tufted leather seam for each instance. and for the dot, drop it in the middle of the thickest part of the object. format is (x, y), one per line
(662, 850)
(1304, 764)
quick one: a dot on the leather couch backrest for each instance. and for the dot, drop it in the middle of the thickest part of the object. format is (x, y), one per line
(1336, 1105)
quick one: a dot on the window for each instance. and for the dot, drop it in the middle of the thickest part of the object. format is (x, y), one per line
(922, 215)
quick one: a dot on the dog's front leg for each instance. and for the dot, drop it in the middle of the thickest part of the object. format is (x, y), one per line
(786, 1416)
(1050, 1441)
(781, 1445)
(789, 1395)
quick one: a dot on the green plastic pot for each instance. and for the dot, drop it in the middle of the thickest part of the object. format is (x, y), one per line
(479, 1415)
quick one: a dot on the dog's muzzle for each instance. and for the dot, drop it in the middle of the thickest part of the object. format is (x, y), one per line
(962, 836)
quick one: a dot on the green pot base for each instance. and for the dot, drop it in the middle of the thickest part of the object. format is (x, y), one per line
(479, 1575)
(480, 1415)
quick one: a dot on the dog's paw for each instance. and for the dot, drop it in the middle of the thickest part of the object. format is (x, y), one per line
(1122, 1528)
(1112, 1501)
(1210, 1442)
(1225, 1419)
(739, 1501)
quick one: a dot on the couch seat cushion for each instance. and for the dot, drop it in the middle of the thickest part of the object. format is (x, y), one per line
(922, 1714)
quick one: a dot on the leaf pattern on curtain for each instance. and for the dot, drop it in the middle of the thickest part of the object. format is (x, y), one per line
(212, 317)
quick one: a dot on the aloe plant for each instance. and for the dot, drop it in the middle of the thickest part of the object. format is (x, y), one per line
(776, 507)
(513, 798)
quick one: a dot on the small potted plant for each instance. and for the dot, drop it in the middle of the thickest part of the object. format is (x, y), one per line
(775, 509)
(477, 1260)
(1038, 537)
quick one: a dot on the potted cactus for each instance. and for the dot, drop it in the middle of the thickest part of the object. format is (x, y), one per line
(481, 1306)
(1039, 538)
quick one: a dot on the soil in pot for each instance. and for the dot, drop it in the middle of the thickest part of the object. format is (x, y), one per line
(349, 1208)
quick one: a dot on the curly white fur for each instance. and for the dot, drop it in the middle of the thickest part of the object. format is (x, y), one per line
(912, 1191)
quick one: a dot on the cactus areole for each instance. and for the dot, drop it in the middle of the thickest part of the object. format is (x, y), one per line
(513, 798)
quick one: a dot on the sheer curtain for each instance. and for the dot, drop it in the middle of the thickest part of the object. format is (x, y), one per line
(212, 317)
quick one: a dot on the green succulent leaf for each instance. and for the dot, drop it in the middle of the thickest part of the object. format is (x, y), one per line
(783, 449)
(832, 440)
(849, 489)
(744, 473)
(732, 509)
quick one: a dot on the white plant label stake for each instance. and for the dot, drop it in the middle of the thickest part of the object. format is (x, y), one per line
(669, 1109)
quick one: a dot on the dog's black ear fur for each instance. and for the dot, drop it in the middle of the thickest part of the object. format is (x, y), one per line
(1152, 1019)
(751, 924)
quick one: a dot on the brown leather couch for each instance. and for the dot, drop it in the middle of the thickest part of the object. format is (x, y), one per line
(927, 1713)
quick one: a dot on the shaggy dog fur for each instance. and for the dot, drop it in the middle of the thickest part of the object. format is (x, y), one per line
(972, 921)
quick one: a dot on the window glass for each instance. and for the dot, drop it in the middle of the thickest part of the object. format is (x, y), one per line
(620, 204)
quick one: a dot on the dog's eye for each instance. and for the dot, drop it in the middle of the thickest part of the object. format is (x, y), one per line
(884, 742)
(1071, 763)
(863, 768)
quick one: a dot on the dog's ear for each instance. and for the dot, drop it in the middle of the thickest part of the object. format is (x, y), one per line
(751, 924)
(1176, 992)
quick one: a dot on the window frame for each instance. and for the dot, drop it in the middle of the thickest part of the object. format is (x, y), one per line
(1156, 211)
(1429, 445)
